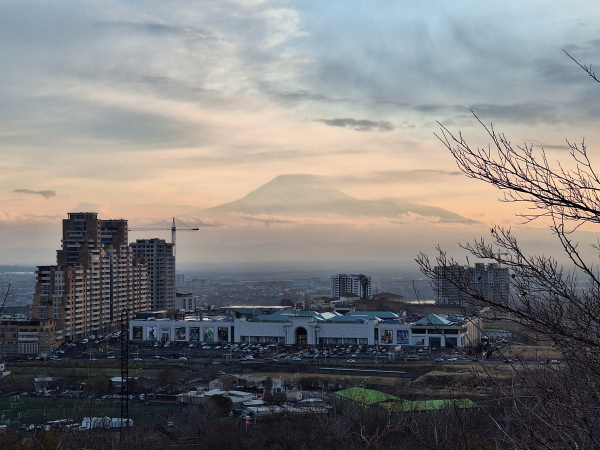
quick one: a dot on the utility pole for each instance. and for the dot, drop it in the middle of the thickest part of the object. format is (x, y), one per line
(124, 338)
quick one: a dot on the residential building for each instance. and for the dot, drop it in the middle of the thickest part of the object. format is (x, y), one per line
(454, 284)
(186, 301)
(342, 284)
(492, 280)
(27, 337)
(96, 283)
(161, 270)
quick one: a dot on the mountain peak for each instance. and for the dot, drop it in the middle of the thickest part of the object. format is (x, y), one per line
(305, 195)
(295, 194)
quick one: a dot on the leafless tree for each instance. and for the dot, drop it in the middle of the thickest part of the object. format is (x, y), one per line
(544, 406)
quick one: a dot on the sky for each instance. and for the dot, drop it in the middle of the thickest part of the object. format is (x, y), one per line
(146, 110)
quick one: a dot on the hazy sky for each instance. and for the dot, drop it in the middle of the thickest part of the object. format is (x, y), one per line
(148, 109)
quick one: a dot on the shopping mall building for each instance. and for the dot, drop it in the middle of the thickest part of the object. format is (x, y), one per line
(311, 328)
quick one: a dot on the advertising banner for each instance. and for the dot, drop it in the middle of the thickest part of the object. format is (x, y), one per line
(209, 335)
(137, 334)
(180, 333)
(387, 337)
(194, 334)
(151, 333)
(402, 337)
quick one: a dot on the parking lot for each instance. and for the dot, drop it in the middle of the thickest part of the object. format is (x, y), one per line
(109, 348)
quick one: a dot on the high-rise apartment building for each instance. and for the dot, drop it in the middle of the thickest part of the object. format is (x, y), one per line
(452, 284)
(161, 271)
(350, 284)
(96, 282)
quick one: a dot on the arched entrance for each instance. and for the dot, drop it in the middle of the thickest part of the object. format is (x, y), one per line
(301, 336)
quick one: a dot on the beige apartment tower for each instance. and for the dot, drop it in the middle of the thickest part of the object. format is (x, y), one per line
(96, 282)
(161, 271)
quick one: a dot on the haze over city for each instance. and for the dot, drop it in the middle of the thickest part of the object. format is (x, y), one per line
(286, 131)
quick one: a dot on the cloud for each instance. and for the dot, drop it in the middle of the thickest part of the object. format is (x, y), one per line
(397, 176)
(46, 194)
(200, 222)
(359, 125)
(91, 207)
(29, 218)
(268, 219)
(412, 218)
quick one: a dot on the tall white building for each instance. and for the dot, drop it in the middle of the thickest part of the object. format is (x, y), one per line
(161, 271)
(341, 284)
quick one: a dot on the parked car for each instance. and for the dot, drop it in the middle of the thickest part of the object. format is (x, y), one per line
(351, 361)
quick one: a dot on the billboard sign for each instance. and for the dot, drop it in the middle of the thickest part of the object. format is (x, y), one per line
(151, 333)
(180, 333)
(402, 337)
(387, 337)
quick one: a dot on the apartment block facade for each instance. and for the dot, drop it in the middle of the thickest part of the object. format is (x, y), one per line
(161, 271)
(452, 284)
(96, 282)
(27, 337)
(342, 284)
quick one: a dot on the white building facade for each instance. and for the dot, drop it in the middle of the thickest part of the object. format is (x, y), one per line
(305, 328)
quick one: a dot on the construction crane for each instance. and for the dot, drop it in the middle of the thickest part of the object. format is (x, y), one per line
(173, 229)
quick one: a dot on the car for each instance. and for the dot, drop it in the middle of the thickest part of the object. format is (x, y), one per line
(554, 361)
(438, 360)
(110, 357)
(137, 359)
(351, 361)
(93, 359)
(452, 359)
(295, 358)
(182, 358)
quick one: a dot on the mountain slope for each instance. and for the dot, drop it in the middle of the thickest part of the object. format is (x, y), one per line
(310, 196)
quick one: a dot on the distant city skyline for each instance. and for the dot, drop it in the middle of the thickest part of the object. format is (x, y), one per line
(151, 110)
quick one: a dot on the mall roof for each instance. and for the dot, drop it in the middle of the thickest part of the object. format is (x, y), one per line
(365, 315)
(284, 316)
(432, 319)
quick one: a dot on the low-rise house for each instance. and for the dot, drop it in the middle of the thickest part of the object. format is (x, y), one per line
(224, 383)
